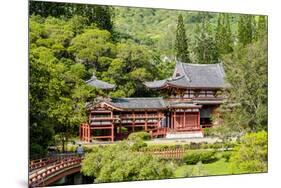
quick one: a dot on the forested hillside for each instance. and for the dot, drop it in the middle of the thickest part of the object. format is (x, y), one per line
(127, 46)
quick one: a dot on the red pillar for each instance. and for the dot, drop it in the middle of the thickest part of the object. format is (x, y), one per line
(112, 132)
(175, 120)
(112, 127)
(134, 119)
(158, 113)
(199, 119)
(184, 119)
(82, 132)
(145, 125)
(172, 120)
(88, 133)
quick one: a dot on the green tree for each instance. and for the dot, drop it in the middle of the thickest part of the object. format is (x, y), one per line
(205, 48)
(119, 163)
(40, 126)
(224, 41)
(261, 31)
(181, 44)
(129, 69)
(68, 110)
(57, 88)
(90, 46)
(251, 154)
(246, 71)
(245, 29)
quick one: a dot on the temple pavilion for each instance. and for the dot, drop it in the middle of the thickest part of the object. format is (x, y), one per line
(195, 91)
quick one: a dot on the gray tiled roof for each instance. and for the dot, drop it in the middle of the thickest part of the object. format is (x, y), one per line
(99, 84)
(156, 84)
(138, 103)
(194, 76)
(148, 103)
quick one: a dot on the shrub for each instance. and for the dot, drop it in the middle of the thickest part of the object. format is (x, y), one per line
(194, 145)
(226, 155)
(119, 163)
(193, 157)
(208, 156)
(137, 136)
(138, 145)
(251, 154)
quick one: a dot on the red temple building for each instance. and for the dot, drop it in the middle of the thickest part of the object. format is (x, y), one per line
(195, 92)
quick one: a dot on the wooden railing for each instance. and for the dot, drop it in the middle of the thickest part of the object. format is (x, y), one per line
(192, 128)
(141, 116)
(38, 176)
(42, 162)
(158, 132)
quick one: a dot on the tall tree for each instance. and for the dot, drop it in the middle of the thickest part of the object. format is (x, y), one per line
(246, 70)
(205, 45)
(261, 31)
(245, 29)
(224, 41)
(181, 44)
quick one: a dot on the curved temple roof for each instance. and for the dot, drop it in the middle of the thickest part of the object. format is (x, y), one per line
(138, 103)
(99, 84)
(148, 103)
(193, 76)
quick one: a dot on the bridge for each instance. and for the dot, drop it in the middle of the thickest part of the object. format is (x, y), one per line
(48, 170)
(45, 171)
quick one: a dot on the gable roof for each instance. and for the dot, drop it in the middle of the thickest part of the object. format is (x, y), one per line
(193, 76)
(99, 84)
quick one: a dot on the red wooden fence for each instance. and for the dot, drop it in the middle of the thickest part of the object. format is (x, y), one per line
(166, 153)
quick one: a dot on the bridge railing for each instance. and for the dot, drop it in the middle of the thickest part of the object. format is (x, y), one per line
(39, 176)
(39, 163)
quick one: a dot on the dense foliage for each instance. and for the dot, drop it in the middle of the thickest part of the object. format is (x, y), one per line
(99, 15)
(195, 156)
(251, 154)
(119, 163)
(139, 136)
(128, 46)
(248, 96)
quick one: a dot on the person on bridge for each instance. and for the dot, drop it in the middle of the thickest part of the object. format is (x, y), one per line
(80, 150)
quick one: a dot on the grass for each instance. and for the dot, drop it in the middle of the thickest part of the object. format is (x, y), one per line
(219, 167)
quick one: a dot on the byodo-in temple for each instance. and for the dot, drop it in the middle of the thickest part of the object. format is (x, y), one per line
(195, 92)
